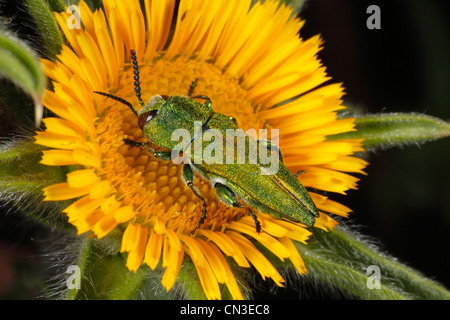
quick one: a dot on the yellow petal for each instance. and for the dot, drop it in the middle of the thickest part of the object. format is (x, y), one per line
(104, 226)
(159, 227)
(226, 245)
(58, 141)
(82, 178)
(296, 232)
(82, 207)
(130, 238)
(62, 191)
(86, 158)
(136, 255)
(325, 204)
(110, 205)
(231, 281)
(207, 277)
(295, 257)
(271, 243)
(325, 222)
(101, 189)
(264, 267)
(327, 180)
(106, 47)
(63, 127)
(124, 214)
(158, 13)
(86, 222)
(153, 250)
(214, 261)
(268, 225)
(58, 158)
(172, 259)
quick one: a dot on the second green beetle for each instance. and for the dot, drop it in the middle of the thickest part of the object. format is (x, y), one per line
(279, 193)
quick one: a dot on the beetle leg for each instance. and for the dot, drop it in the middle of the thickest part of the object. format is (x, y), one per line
(192, 87)
(228, 197)
(188, 177)
(255, 218)
(299, 173)
(162, 155)
(135, 143)
(207, 103)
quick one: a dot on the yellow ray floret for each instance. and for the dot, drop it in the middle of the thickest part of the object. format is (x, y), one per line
(254, 67)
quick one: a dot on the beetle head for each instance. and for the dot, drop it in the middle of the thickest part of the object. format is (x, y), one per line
(149, 111)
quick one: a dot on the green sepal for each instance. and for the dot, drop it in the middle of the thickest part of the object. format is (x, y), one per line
(103, 274)
(56, 5)
(19, 161)
(189, 283)
(47, 25)
(395, 129)
(22, 179)
(339, 260)
(20, 65)
(296, 5)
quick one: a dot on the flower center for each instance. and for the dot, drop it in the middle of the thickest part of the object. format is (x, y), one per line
(155, 187)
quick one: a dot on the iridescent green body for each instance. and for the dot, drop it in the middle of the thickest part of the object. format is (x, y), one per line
(279, 194)
(243, 172)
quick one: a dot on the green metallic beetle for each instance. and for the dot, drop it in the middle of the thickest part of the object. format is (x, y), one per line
(279, 194)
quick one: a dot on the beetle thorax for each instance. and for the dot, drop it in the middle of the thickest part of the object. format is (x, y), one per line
(154, 103)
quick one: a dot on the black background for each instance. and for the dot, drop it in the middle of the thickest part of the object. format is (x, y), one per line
(404, 202)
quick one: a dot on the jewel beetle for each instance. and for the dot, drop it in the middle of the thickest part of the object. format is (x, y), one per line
(241, 184)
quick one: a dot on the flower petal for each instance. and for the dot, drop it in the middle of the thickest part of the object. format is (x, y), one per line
(153, 250)
(264, 267)
(204, 270)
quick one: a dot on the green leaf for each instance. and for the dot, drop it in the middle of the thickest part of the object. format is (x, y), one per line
(103, 275)
(395, 129)
(347, 261)
(20, 65)
(47, 25)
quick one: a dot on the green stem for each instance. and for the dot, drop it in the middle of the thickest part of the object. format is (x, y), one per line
(342, 259)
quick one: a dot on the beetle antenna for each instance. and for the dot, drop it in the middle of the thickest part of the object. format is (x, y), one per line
(125, 102)
(137, 83)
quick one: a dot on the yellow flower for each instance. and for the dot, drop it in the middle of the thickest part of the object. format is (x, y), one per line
(247, 62)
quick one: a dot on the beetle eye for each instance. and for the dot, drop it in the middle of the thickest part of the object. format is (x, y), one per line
(145, 118)
(234, 120)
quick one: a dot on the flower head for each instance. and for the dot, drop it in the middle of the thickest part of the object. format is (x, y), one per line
(254, 67)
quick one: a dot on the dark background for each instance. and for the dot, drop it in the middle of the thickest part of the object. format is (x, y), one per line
(404, 201)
